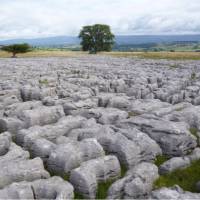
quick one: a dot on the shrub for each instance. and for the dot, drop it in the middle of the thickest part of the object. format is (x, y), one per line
(16, 48)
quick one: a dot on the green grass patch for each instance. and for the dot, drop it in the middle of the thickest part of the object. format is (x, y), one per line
(44, 82)
(101, 192)
(132, 114)
(103, 189)
(185, 178)
(174, 66)
(193, 76)
(66, 176)
(104, 186)
(75, 71)
(160, 159)
(78, 196)
(179, 109)
(123, 170)
(194, 131)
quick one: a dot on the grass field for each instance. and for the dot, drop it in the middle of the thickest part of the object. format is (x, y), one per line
(44, 53)
(158, 55)
(146, 55)
(185, 178)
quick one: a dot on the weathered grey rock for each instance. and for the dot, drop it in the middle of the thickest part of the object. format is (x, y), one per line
(21, 190)
(49, 91)
(103, 99)
(179, 162)
(11, 125)
(198, 186)
(83, 94)
(10, 100)
(90, 123)
(175, 193)
(69, 107)
(120, 102)
(195, 155)
(66, 89)
(127, 151)
(42, 148)
(15, 153)
(196, 101)
(148, 105)
(50, 101)
(137, 183)
(5, 140)
(17, 108)
(100, 88)
(149, 149)
(29, 93)
(136, 91)
(69, 154)
(168, 110)
(85, 178)
(118, 85)
(52, 188)
(26, 137)
(173, 164)
(191, 91)
(72, 108)
(173, 137)
(25, 170)
(105, 115)
(189, 115)
(130, 146)
(41, 115)
(9, 93)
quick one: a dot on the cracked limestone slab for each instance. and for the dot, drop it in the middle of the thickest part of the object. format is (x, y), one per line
(85, 179)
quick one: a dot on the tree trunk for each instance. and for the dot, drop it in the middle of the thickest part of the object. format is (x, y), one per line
(14, 55)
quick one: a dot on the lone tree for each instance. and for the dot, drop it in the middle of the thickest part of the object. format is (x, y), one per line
(96, 38)
(16, 48)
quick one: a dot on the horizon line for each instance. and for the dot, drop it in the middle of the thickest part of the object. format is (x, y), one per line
(117, 35)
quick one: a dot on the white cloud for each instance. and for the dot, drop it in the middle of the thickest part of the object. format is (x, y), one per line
(40, 18)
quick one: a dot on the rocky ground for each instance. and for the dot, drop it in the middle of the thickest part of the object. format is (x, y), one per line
(71, 126)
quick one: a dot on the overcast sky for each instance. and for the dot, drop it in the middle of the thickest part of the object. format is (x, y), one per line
(41, 18)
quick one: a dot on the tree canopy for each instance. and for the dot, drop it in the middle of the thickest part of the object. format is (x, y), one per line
(16, 48)
(96, 38)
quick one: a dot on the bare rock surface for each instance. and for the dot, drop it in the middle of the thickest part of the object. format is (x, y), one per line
(52, 188)
(173, 193)
(41, 115)
(5, 140)
(137, 183)
(179, 162)
(85, 178)
(91, 117)
(24, 170)
(68, 155)
(51, 132)
(173, 137)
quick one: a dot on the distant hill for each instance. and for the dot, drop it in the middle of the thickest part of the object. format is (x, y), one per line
(156, 39)
(120, 40)
(48, 41)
